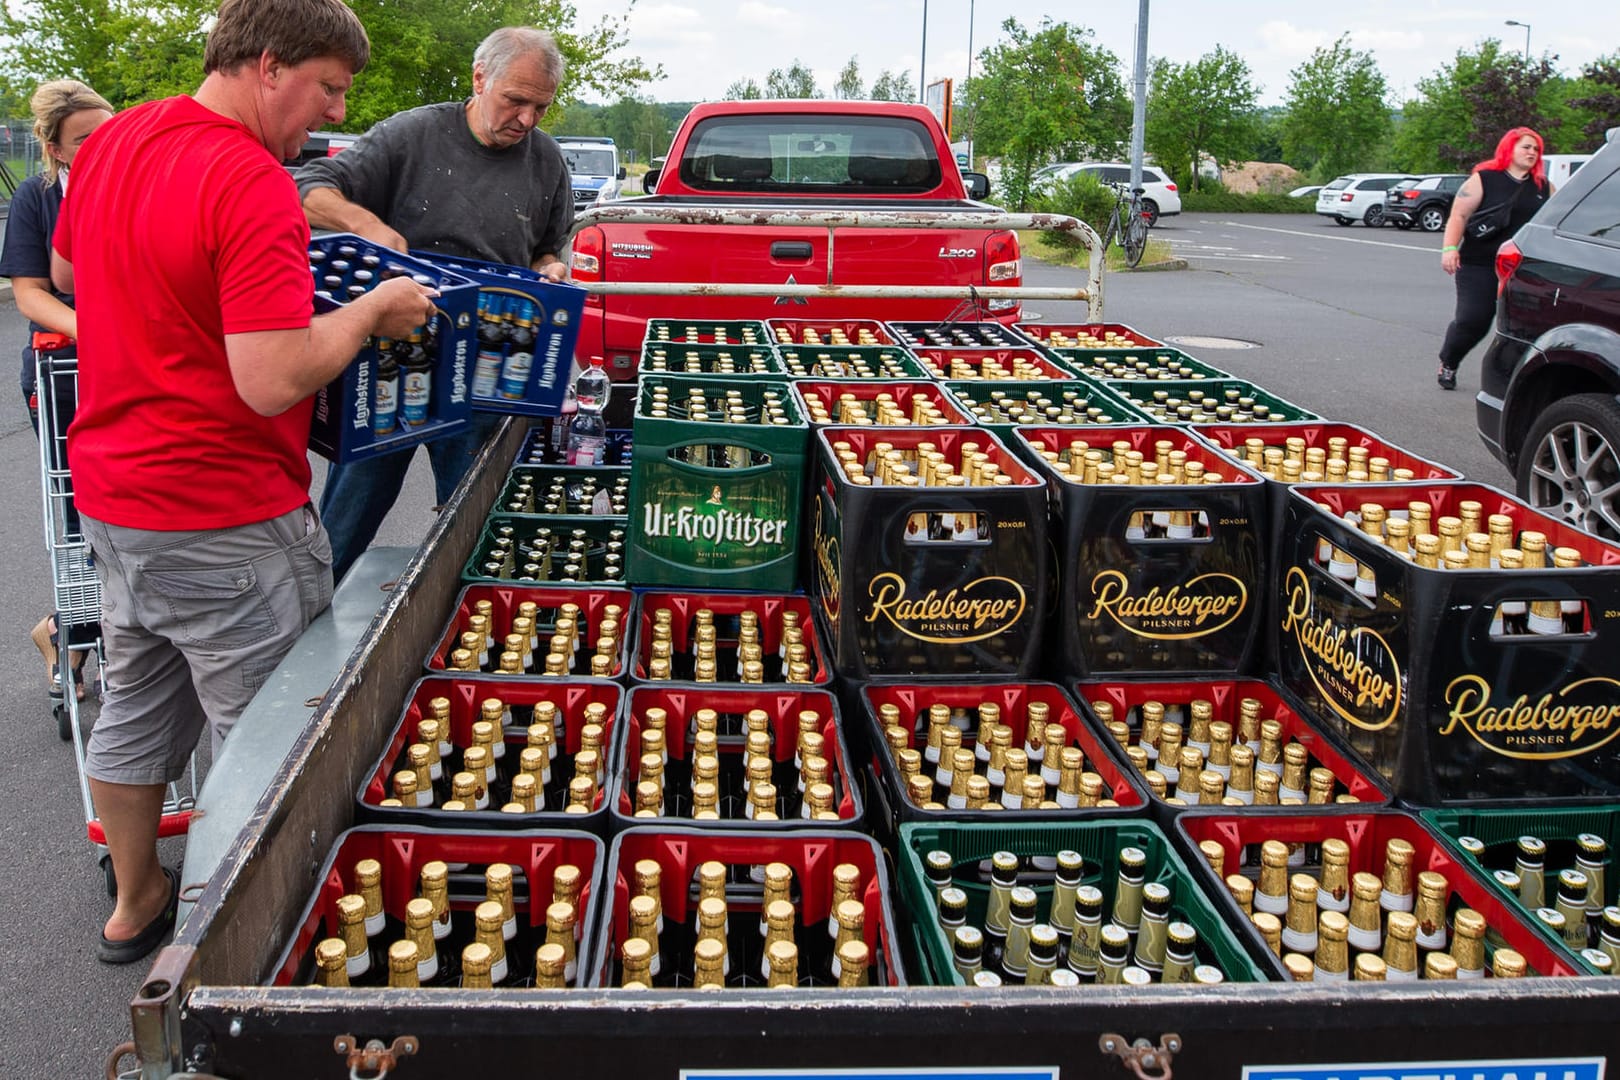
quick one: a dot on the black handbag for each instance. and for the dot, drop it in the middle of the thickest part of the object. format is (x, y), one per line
(1489, 220)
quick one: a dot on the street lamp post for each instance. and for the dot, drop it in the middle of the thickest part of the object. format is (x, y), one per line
(922, 65)
(1516, 22)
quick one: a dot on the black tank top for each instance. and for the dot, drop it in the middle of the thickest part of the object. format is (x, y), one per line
(1499, 187)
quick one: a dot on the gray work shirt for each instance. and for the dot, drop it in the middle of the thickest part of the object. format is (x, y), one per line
(425, 175)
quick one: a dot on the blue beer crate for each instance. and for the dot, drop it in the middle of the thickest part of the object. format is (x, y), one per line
(394, 394)
(526, 329)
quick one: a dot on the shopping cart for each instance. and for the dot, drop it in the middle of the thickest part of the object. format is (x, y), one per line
(76, 588)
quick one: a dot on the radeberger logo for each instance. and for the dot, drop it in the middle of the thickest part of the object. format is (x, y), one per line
(1574, 720)
(978, 610)
(1355, 670)
(1207, 603)
(712, 523)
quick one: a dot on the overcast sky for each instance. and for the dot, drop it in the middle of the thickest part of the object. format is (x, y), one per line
(704, 45)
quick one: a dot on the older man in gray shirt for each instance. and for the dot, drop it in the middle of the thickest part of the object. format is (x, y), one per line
(475, 179)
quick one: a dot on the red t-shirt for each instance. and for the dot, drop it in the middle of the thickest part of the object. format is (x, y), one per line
(182, 228)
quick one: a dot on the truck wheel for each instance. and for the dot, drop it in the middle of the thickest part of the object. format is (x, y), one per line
(1432, 218)
(1150, 210)
(1569, 465)
(1374, 217)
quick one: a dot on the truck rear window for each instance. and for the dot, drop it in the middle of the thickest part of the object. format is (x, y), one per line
(841, 155)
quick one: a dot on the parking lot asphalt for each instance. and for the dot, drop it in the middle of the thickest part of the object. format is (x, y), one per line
(1344, 321)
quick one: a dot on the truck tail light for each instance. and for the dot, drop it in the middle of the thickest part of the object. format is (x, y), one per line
(587, 261)
(1508, 258)
(1003, 266)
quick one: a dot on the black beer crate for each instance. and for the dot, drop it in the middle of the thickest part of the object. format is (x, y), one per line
(1200, 401)
(911, 702)
(1368, 834)
(1099, 843)
(838, 333)
(1121, 701)
(725, 361)
(355, 417)
(566, 491)
(949, 334)
(546, 445)
(1154, 579)
(928, 580)
(811, 854)
(1001, 406)
(706, 332)
(717, 505)
(920, 402)
(783, 707)
(504, 379)
(534, 858)
(1095, 338)
(574, 700)
(1236, 441)
(773, 613)
(1005, 364)
(1427, 673)
(596, 606)
(850, 362)
(522, 563)
(1497, 833)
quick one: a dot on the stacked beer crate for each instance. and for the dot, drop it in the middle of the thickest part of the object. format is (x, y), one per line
(979, 655)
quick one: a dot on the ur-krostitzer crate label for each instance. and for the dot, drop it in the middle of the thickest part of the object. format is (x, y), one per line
(741, 523)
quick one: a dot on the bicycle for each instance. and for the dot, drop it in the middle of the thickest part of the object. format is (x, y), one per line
(1127, 222)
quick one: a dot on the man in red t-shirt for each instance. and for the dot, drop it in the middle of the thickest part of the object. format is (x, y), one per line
(186, 245)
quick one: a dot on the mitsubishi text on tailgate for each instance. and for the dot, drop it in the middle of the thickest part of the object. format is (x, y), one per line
(837, 155)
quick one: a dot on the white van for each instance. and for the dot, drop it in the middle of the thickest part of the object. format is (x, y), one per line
(1560, 167)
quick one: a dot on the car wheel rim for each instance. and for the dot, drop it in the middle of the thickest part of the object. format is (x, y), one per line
(1576, 473)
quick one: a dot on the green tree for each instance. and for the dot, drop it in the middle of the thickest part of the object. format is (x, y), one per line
(849, 86)
(795, 81)
(743, 90)
(1203, 107)
(1337, 115)
(1431, 134)
(894, 86)
(1595, 100)
(128, 50)
(1045, 94)
(1508, 94)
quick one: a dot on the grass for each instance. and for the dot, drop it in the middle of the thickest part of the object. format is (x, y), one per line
(1034, 242)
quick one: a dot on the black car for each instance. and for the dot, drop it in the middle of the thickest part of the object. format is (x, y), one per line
(1549, 382)
(1424, 202)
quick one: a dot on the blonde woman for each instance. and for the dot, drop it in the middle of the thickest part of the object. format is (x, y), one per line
(65, 113)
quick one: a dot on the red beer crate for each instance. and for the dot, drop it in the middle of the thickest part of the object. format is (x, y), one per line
(823, 403)
(1368, 835)
(1154, 578)
(928, 580)
(1457, 685)
(773, 612)
(811, 855)
(911, 702)
(574, 700)
(991, 365)
(595, 606)
(1227, 700)
(533, 856)
(783, 708)
(1092, 337)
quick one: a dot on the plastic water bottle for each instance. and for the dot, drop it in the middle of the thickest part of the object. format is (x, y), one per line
(587, 431)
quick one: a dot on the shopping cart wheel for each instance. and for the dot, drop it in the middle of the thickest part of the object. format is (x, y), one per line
(108, 875)
(64, 723)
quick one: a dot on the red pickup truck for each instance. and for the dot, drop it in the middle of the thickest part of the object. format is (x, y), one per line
(776, 155)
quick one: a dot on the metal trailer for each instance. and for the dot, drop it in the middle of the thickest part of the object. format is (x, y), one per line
(76, 589)
(203, 1010)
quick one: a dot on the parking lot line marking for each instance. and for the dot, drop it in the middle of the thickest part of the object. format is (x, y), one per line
(1325, 236)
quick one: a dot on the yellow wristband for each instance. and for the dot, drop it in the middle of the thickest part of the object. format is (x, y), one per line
(1448, 247)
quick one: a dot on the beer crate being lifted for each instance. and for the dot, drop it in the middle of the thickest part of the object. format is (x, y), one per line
(930, 554)
(717, 476)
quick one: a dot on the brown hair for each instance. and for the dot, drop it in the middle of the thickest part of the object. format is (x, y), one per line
(51, 105)
(290, 30)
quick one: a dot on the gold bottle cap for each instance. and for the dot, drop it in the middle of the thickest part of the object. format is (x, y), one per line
(1508, 964)
(1333, 926)
(1365, 886)
(402, 961)
(1403, 926)
(1242, 890)
(476, 960)
(1439, 965)
(331, 960)
(1370, 968)
(550, 964)
(1300, 968)
(489, 916)
(1270, 928)
(1215, 854)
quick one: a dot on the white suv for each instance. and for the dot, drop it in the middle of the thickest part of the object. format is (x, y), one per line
(1159, 195)
(1358, 197)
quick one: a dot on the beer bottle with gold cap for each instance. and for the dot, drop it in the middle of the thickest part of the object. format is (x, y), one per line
(1020, 921)
(331, 963)
(1397, 885)
(402, 965)
(351, 912)
(1400, 947)
(998, 910)
(782, 964)
(1127, 914)
(1468, 943)
(1430, 910)
(1508, 964)
(1082, 958)
(1112, 955)
(967, 952)
(1152, 938)
(1299, 933)
(1332, 954)
(475, 960)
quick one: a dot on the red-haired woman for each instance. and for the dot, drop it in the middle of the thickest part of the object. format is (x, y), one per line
(1514, 178)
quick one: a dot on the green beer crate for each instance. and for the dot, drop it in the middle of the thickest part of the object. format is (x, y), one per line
(1158, 364)
(714, 504)
(1001, 406)
(850, 362)
(1207, 401)
(1560, 831)
(1099, 843)
(724, 361)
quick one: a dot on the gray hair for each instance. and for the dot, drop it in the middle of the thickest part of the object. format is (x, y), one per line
(497, 51)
